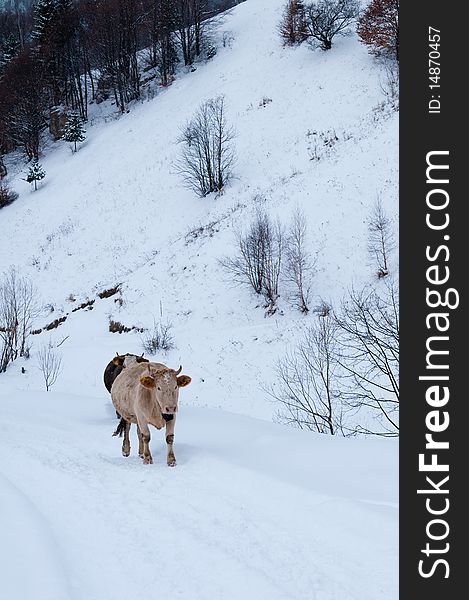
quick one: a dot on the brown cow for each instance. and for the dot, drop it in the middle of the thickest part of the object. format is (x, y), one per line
(147, 394)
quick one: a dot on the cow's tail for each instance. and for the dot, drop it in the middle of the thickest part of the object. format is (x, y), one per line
(120, 428)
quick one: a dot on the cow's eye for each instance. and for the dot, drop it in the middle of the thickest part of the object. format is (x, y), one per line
(159, 389)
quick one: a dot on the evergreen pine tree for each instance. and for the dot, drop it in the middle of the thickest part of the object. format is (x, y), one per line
(3, 169)
(35, 173)
(45, 12)
(8, 50)
(74, 130)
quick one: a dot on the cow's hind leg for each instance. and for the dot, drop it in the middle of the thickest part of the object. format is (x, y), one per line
(170, 458)
(140, 442)
(126, 442)
(145, 433)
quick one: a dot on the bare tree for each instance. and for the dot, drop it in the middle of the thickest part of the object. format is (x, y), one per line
(191, 20)
(208, 156)
(18, 308)
(369, 355)
(343, 376)
(327, 18)
(273, 253)
(378, 27)
(161, 21)
(159, 338)
(299, 264)
(50, 364)
(381, 240)
(258, 260)
(23, 102)
(292, 28)
(8, 329)
(307, 382)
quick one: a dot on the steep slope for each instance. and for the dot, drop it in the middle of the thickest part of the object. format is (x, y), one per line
(117, 212)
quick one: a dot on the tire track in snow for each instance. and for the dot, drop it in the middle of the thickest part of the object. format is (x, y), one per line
(206, 529)
(32, 566)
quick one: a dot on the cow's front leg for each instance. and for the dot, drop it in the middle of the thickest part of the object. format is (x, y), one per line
(145, 433)
(126, 442)
(140, 442)
(170, 459)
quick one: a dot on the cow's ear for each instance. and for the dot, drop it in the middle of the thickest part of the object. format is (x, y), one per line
(147, 382)
(183, 380)
(117, 360)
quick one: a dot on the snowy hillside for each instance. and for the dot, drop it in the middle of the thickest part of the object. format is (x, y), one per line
(116, 211)
(254, 509)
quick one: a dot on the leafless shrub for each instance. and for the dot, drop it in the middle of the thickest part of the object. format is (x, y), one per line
(88, 305)
(18, 309)
(206, 164)
(109, 292)
(227, 39)
(159, 338)
(381, 240)
(203, 231)
(50, 364)
(55, 323)
(321, 144)
(390, 85)
(264, 102)
(299, 264)
(307, 382)
(118, 327)
(315, 152)
(259, 258)
(7, 195)
(323, 309)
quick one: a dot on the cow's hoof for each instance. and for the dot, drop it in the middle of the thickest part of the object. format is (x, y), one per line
(147, 460)
(126, 454)
(172, 462)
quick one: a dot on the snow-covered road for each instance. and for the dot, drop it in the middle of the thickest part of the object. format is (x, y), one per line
(253, 509)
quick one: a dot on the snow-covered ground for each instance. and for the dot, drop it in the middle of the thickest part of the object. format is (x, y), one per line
(254, 509)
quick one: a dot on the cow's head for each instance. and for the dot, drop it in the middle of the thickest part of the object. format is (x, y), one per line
(165, 384)
(123, 360)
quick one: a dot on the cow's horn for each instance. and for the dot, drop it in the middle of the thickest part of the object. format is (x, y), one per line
(179, 370)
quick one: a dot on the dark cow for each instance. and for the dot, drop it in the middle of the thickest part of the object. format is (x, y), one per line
(116, 365)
